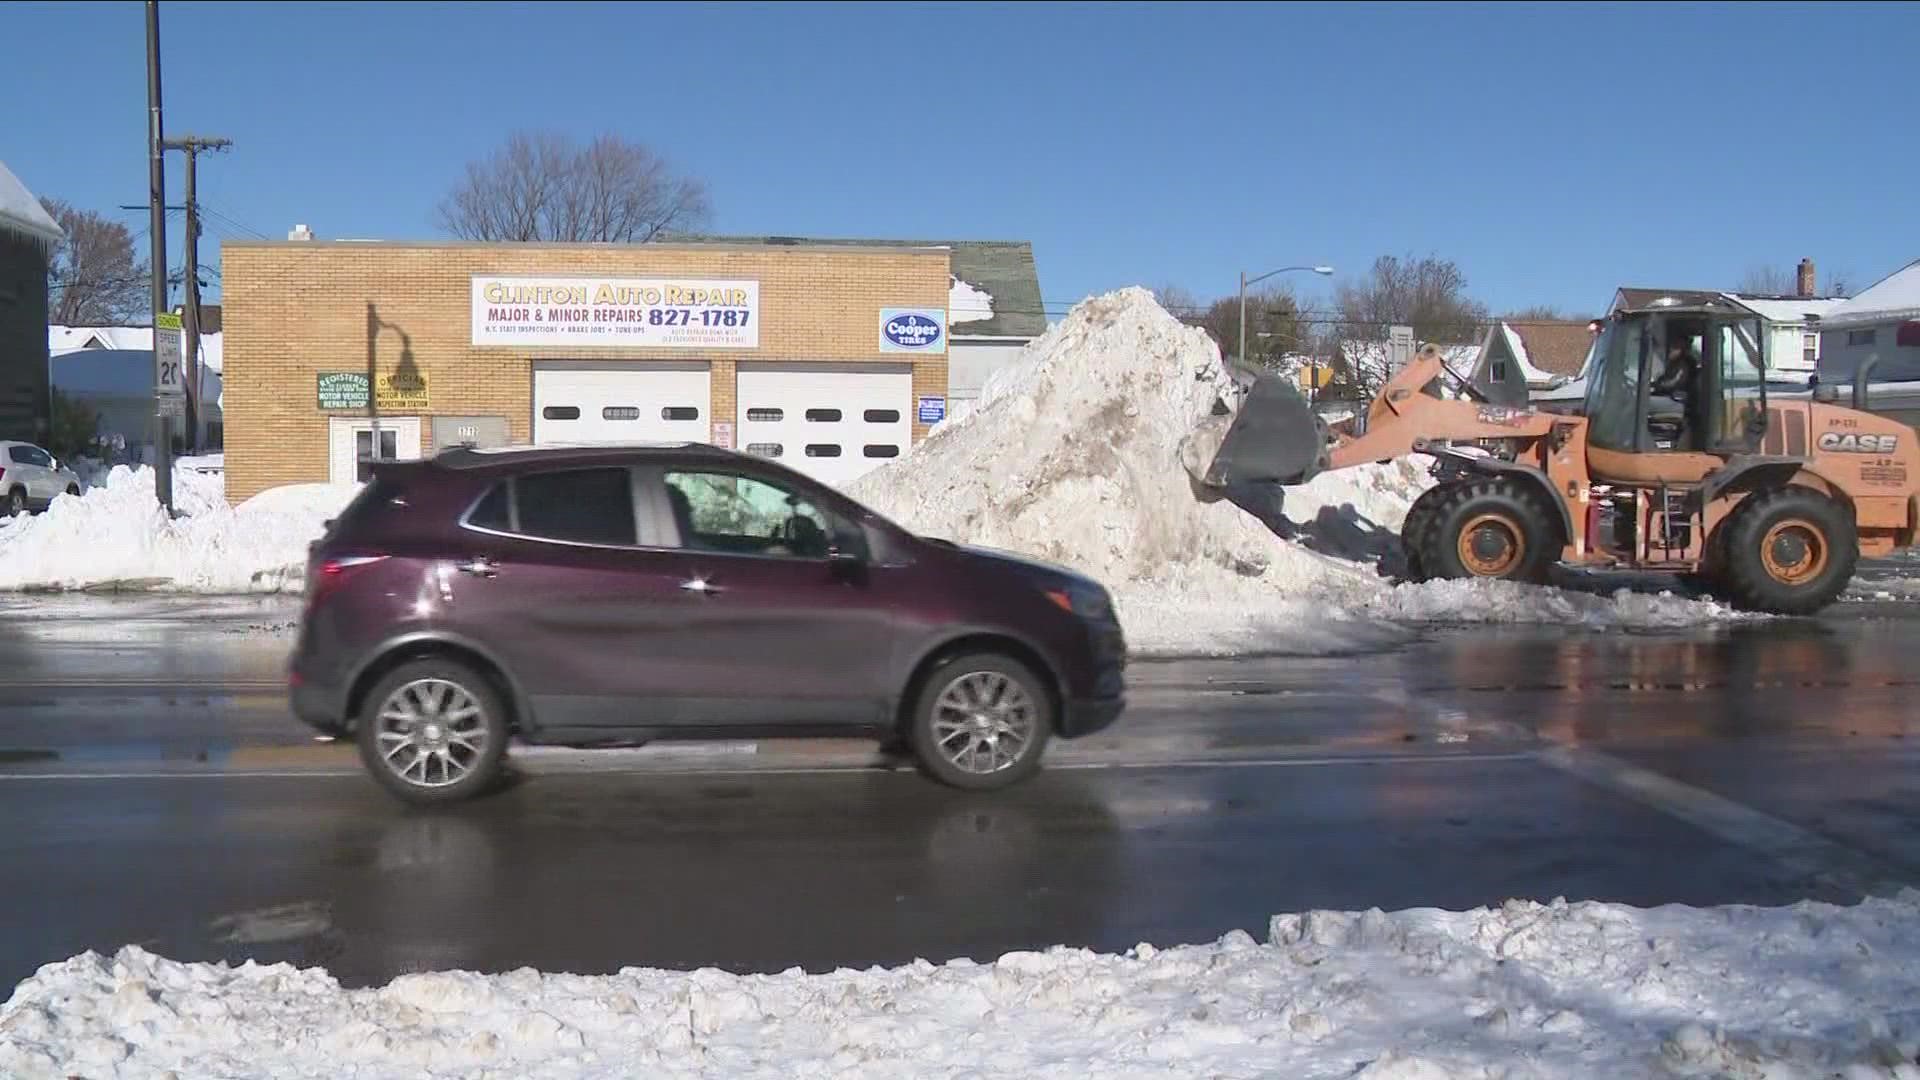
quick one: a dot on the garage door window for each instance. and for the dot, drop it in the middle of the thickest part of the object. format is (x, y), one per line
(766, 416)
(743, 515)
(766, 449)
(881, 450)
(881, 416)
(824, 416)
(575, 506)
(679, 412)
(620, 412)
(823, 449)
(560, 412)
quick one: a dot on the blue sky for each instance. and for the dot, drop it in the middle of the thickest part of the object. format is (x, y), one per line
(1554, 151)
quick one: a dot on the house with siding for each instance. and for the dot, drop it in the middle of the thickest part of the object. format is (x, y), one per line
(1521, 363)
(28, 237)
(1881, 324)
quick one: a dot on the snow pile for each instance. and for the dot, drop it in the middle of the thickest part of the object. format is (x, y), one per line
(117, 536)
(1073, 455)
(1522, 990)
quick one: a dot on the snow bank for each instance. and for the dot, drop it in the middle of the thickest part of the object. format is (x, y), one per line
(1522, 990)
(1073, 455)
(117, 536)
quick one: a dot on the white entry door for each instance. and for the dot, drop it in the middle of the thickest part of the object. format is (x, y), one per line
(613, 402)
(351, 445)
(833, 422)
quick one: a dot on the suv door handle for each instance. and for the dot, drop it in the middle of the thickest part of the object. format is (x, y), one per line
(702, 586)
(479, 567)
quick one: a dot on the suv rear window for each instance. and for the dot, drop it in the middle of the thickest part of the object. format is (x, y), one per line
(578, 506)
(374, 494)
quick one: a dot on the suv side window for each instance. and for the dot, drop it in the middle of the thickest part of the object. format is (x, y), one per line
(21, 455)
(581, 506)
(37, 456)
(744, 515)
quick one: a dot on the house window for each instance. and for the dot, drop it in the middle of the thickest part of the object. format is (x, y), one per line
(1862, 337)
(1810, 349)
(1499, 371)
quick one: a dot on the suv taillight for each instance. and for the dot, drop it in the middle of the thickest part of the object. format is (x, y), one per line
(326, 575)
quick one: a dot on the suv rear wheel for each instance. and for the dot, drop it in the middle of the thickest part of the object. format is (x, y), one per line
(982, 722)
(16, 502)
(433, 731)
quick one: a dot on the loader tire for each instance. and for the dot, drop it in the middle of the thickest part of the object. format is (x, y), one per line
(1414, 529)
(1788, 551)
(1493, 527)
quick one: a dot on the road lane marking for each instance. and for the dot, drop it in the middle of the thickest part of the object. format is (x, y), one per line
(1800, 850)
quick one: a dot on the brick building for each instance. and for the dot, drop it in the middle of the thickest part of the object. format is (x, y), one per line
(832, 357)
(27, 239)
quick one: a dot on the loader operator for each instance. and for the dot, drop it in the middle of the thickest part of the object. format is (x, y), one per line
(1673, 401)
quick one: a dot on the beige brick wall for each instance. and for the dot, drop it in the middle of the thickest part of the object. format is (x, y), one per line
(295, 310)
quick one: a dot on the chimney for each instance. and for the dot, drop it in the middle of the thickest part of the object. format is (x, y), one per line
(300, 232)
(1803, 284)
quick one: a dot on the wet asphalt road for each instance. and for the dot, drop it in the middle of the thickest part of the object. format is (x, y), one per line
(156, 792)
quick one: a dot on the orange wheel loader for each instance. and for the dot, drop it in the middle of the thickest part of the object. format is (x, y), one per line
(1677, 462)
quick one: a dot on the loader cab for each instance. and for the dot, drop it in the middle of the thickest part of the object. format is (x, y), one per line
(1638, 433)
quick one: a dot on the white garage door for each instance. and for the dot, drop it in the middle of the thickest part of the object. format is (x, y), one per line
(621, 402)
(830, 421)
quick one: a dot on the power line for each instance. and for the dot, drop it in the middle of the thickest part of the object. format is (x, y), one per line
(233, 221)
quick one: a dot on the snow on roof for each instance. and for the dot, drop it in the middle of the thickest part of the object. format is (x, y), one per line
(966, 303)
(20, 212)
(1896, 296)
(1518, 347)
(1787, 309)
(66, 339)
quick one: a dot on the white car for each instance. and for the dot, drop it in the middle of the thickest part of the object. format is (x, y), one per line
(30, 479)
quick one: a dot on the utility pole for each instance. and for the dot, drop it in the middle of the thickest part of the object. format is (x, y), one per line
(191, 145)
(157, 232)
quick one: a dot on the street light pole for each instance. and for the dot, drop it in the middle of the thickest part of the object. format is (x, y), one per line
(1246, 281)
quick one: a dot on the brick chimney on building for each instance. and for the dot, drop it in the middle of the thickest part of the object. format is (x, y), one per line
(1803, 284)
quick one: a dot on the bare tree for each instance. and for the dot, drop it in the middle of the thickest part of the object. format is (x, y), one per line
(1839, 283)
(1542, 313)
(1427, 294)
(544, 186)
(1762, 279)
(1181, 303)
(92, 279)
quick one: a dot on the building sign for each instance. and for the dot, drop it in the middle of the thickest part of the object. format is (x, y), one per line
(723, 434)
(343, 390)
(401, 391)
(632, 313)
(933, 410)
(913, 330)
(169, 381)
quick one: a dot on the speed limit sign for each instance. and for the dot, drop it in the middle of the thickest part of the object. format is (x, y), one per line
(168, 378)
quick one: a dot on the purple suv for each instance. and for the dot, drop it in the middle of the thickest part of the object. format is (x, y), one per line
(614, 595)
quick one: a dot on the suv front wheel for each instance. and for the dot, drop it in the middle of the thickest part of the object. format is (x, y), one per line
(433, 731)
(982, 722)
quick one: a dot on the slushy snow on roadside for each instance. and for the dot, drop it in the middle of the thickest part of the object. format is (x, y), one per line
(116, 536)
(1524, 990)
(1073, 455)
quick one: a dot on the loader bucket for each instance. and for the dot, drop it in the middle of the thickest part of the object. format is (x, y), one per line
(1275, 439)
